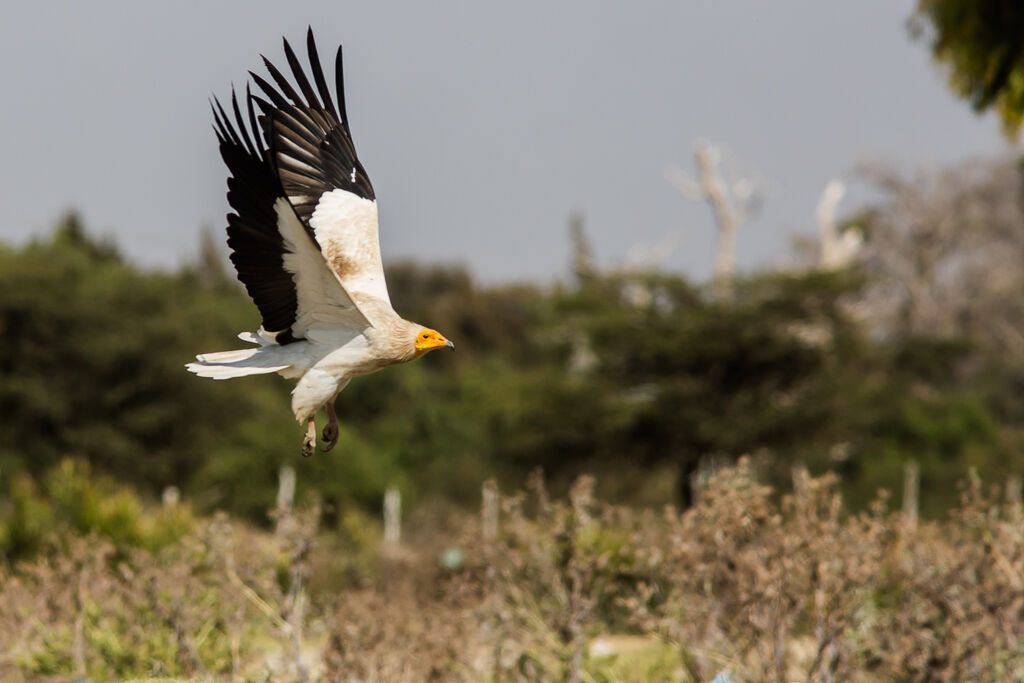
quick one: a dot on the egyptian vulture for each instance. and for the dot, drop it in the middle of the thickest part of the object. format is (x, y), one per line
(303, 239)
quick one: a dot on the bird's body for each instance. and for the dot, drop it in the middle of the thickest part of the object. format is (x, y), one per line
(304, 242)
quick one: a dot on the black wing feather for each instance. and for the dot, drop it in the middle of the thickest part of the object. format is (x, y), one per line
(282, 82)
(300, 77)
(257, 247)
(276, 99)
(339, 76)
(318, 76)
(252, 149)
(299, 147)
(308, 137)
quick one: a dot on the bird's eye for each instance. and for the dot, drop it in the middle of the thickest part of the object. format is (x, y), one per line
(425, 335)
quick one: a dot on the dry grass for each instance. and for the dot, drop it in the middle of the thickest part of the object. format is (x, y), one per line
(763, 588)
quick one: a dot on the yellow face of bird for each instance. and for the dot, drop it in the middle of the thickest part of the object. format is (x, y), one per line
(428, 340)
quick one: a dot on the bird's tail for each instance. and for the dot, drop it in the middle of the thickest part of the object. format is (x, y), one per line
(239, 363)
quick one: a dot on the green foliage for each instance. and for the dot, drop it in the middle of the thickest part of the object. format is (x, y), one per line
(981, 43)
(92, 363)
(111, 613)
(26, 519)
(70, 499)
(636, 379)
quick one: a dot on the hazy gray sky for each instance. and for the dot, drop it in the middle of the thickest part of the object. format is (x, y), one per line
(482, 125)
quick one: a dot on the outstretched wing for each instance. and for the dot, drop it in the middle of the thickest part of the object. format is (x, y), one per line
(274, 252)
(257, 246)
(315, 161)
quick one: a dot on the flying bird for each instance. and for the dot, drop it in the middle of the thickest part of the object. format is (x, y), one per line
(304, 242)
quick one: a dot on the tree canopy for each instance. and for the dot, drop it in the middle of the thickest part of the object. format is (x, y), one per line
(638, 378)
(981, 44)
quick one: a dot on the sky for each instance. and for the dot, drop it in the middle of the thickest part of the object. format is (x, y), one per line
(483, 126)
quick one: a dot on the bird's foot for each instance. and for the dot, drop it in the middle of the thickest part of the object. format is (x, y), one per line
(330, 435)
(309, 441)
(308, 446)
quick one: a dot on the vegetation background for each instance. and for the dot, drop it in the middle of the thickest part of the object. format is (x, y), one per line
(142, 533)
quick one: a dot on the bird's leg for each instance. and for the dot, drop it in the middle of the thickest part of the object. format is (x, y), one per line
(309, 442)
(331, 428)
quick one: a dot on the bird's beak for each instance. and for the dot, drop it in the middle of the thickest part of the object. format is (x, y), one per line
(449, 345)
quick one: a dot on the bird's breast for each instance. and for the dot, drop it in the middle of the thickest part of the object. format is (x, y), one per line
(361, 356)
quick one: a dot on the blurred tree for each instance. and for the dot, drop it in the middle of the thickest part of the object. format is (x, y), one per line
(210, 264)
(480, 321)
(91, 364)
(682, 378)
(592, 378)
(943, 253)
(982, 45)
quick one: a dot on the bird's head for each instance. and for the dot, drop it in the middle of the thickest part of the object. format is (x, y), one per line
(428, 340)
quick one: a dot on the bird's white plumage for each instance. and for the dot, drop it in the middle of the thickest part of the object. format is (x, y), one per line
(324, 306)
(330, 283)
(345, 226)
(243, 362)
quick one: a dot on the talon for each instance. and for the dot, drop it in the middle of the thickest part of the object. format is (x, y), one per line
(330, 435)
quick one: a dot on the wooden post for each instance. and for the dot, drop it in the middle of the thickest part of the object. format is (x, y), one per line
(285, 488)
(489, 511)
(285, 500)
(1013, 496)
(392, 516)
(801, 479)
(911, 486)
(170, 498)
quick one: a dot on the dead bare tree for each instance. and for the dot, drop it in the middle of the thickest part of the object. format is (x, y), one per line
(584, 264)
(731, 206)
(838, 249)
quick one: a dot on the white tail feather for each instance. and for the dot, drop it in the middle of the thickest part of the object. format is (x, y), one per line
(228, 364)
(221, 357)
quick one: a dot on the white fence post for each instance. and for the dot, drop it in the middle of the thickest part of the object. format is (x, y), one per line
(911, 486)
(392, 516)
(285, 500)
(489, 510)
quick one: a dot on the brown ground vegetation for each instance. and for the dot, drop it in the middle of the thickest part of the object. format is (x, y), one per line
(760, 586)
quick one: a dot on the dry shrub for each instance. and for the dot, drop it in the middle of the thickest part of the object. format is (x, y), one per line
(950, 597)
(559, 566)
(522, 606)
(801, 591)
(213, 605)
(763, 589)
(415, 628)
(761, 586)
